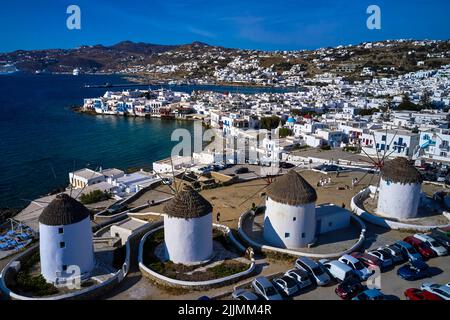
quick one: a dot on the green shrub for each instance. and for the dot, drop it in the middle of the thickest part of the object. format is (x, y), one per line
(94, 196)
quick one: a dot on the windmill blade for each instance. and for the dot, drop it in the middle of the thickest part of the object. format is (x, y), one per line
(389, 154)
(362, 178)
(375, 143)
(173, 175)
(182, 178)
(254, 194)
(373, 161)
(173, 190)
(252, 185)
(171, 194)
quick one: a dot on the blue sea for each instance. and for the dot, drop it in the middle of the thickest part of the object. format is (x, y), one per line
(42, 139)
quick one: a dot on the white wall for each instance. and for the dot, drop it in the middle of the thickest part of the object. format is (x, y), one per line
(279, 220)
(78, 248)
(188, 241)
(398, 200)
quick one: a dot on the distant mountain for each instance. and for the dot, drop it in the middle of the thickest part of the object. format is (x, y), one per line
(141, 48)
(93, 58)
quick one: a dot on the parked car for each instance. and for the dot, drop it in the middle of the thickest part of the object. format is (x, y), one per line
(203, 298)
(441, 238)
(349, 288)
(286, 285)
(300, 276)
(384, 256)
(245, 295)
(417, 294)
(421, 247)
(371, 294)
(241, 170)
(359, 268)
(415, 270)
(337, 269)
(368, 260)
(314, 269)
(442, 291)
(286, 165)
(395, 253)
(408, 251)
(265, 289)
(432, 244)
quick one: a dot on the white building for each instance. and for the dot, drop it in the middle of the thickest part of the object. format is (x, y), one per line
(400, 190)
(85, 177)
(65, 241)
(393, 143)
(188, 228)
(435, 144)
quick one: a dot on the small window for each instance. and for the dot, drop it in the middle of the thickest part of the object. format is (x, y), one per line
(64, 267)
(294, 218)
(62, 244)
(60, 230)
(303, 235)
(286, 234)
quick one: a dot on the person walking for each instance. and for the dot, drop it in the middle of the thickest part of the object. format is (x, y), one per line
(218, 216)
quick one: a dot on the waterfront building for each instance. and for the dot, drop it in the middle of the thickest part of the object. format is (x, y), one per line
(188, 228)
(65, 240)
(400, 190)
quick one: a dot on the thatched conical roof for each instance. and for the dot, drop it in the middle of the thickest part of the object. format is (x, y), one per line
(400, 170)
(291, 189)
(187, 204)
(63, 210)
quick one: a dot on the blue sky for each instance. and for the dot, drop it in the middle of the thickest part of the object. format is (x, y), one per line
(254, 24)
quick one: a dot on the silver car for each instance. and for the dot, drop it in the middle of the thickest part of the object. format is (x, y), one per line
(245, 295)
(300, 276)
(316, 270)
(286, 284)
(442, 291)
(265, 289)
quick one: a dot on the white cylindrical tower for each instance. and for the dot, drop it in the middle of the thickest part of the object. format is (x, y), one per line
(290, 217)
(65, 239)
(400, 190)
(188, 228)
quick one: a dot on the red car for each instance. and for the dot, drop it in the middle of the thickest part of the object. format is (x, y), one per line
(368, 260)
(425, 251)
(417, 294)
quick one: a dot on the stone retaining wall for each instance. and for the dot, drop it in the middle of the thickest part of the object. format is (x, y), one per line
(194, 285)
(266, 248)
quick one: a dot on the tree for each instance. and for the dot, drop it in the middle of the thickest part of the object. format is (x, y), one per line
(270, 123)
(425, 100)
(284, 132)
(407, 104)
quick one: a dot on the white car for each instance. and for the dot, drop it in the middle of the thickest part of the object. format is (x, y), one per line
(300, 276)
(359, 268)
(265, 289)
(384, 256)
(286, 284)
(433, 244)
(314, 269)
(337, 269)
(442, 291)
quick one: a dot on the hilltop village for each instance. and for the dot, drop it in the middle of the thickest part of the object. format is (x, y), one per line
(315, 193)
